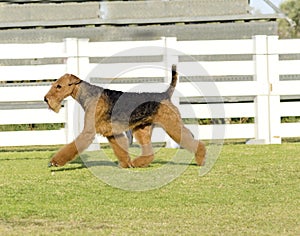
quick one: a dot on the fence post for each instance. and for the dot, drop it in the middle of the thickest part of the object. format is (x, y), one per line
(72, 115)
(274, 97)
(77, 63)
(170, 58)
(83, 71)
(262, 132)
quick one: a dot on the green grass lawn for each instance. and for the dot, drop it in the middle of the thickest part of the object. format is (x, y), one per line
(251, 190)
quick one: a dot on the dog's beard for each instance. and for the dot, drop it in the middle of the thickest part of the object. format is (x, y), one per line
(54, 107)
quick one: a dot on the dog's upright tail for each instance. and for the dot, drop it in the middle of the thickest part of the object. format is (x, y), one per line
(173, 83)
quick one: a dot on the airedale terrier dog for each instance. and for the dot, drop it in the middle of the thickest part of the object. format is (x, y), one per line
(110, 113)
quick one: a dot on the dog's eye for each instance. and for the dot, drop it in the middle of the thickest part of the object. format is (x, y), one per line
(58, 86)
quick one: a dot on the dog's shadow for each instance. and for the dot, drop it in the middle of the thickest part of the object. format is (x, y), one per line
(87, 164)
(78, 164)
(161, 163)
(68, 168)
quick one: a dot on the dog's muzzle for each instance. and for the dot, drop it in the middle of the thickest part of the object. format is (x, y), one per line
(53, 107)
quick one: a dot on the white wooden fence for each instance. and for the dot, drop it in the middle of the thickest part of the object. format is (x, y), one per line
(257, 77)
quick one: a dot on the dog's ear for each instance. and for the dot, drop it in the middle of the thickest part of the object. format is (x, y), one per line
(73, 79)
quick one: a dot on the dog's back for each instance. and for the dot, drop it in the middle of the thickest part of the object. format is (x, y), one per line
(135, 107)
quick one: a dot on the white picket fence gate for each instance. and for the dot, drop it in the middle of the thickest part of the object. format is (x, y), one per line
(264, 84)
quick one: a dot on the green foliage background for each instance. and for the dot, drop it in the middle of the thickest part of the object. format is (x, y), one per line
(290, 8)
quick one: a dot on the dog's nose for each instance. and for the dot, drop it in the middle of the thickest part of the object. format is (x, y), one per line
(46, 99)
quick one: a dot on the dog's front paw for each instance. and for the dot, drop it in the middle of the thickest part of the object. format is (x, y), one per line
(125, 164)
(53, 163)
(57, 161)
(65, 154)
(50, 164)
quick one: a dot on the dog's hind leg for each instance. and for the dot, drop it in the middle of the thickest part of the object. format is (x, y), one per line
(143, 136)
(168, 117)
(119, 144)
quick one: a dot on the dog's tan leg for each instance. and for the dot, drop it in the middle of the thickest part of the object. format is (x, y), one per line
(119, 144)
(69, 151)
(169, 118)
(143, 136)
(84, 139)
(65, 154)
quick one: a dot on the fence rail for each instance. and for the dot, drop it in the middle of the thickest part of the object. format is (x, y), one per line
(219, 81)
(62, 13)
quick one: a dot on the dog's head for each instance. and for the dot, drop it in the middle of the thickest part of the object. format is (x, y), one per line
(61, 89)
